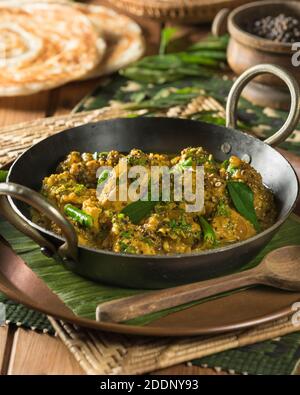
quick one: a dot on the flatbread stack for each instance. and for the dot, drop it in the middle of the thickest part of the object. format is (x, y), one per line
(124, 39)
(45, 44)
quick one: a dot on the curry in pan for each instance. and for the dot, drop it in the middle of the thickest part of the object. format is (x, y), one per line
(237, 205)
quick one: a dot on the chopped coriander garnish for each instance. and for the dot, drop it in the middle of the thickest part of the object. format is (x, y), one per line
(126, 248)
(121, 215)
(222, 209)
(126, 234)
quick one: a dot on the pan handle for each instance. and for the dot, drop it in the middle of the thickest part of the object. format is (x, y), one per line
(68, 250)
(236, 90)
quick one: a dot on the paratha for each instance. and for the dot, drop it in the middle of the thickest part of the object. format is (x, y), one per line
(124, 38)
(44, 45)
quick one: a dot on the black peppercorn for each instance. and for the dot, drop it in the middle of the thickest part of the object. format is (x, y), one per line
(280, 28)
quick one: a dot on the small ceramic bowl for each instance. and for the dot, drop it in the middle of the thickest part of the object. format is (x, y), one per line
(246, 50)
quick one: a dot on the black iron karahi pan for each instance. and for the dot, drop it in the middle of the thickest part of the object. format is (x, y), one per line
(155, 135)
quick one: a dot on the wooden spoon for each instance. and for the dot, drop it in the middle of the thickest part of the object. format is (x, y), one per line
(279, 269)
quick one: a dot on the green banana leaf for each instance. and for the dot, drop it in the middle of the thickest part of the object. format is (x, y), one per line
(82, 296)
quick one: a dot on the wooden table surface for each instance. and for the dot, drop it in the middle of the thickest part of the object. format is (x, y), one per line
(28, 352)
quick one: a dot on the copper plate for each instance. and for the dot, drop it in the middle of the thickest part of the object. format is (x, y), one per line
(237, 311)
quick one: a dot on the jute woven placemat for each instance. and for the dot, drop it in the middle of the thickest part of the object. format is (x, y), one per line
(15, 139)
(102, 353)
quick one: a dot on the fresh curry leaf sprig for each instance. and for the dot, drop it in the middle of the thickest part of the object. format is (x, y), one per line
(166, 98)
(205, 58)
(211, 43)
(196, 61)
(243, 199)
(158, 76)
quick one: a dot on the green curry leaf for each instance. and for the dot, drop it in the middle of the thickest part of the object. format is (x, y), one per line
(243, 200)
(136, 211)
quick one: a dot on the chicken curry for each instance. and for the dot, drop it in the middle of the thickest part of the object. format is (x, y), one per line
(237, 205)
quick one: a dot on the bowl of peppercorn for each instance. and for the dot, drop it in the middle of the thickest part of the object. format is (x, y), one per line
(263, 32)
